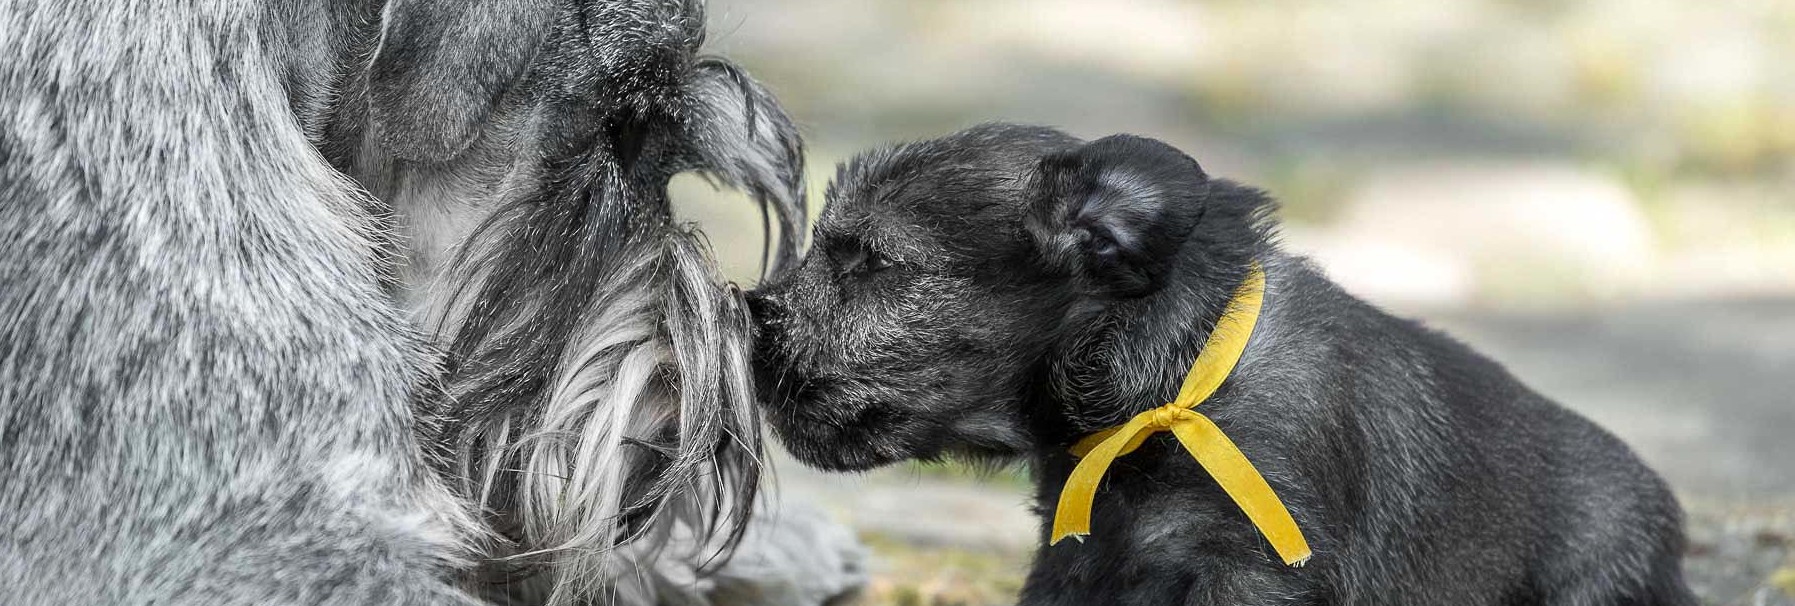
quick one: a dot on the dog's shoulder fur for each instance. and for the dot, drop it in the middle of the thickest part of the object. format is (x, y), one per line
(204, 391)
(1420, 471)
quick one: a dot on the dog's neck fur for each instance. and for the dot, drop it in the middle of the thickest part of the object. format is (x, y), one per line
(1130, 356)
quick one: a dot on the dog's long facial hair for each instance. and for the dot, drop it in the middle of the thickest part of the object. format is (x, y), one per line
(203, 376)
(597, 393)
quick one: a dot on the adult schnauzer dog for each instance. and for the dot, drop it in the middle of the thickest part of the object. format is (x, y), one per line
(1009, 292)
(371, 302)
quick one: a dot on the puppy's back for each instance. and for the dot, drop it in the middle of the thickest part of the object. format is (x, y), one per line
(1473, 483)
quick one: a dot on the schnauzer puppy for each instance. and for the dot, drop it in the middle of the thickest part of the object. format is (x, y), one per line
(1008, 291)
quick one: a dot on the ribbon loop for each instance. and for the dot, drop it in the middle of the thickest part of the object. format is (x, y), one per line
(1197, 433)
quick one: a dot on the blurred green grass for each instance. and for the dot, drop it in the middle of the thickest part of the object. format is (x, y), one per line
(1686, 105)
(912, 575)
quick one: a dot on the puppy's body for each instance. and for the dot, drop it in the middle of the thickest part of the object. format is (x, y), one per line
(1420, 471)
(1025, 290)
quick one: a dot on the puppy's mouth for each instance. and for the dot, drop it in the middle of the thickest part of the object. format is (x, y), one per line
(838, 456)
(829, 431)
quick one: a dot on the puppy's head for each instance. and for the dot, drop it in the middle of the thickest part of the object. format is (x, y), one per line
(946, 277)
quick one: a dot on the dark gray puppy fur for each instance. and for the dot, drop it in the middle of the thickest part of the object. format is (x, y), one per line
(210, 388)
(1003, 291)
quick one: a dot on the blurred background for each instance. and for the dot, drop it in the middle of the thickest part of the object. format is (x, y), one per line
(1598, 193)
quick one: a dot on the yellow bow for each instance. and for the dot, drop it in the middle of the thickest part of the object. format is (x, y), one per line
(1214, 451)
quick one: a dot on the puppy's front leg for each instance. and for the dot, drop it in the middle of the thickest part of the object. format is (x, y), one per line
(1248, 588)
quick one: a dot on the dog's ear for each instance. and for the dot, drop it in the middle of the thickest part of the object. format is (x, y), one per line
(1115, 211)
(442, 65)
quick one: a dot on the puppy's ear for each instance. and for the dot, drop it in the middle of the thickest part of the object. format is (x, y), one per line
(1115, 211)
(442, 65)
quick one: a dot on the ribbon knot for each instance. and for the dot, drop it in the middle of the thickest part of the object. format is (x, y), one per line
(1200, 436)
(1166, 416)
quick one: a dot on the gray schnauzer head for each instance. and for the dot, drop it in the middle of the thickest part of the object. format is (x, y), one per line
(964, 296)
(596, 401)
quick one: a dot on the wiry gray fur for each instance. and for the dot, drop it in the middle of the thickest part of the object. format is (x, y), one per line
(203, 390)
(597, 382)
(210, 392)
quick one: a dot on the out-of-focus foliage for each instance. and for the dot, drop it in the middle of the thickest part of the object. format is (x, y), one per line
(1665, 130)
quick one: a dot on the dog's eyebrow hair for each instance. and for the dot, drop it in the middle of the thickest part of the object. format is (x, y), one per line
(834, 242)
(1131, 183)
(831, 232)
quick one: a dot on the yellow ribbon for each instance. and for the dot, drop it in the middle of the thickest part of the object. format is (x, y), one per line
(1201, 438)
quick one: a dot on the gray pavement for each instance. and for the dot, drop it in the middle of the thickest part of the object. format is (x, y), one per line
(1703, 390)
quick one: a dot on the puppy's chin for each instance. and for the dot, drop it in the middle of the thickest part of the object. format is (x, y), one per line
(833, 448)
(840, 457)
(827, 429)
(864, 452)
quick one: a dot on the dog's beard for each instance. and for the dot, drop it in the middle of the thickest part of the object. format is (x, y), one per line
(597, 400)
(599, 406)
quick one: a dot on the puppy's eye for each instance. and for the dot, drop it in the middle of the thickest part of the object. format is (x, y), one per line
(1103, 247)
(875, 262)
(1099, 242)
